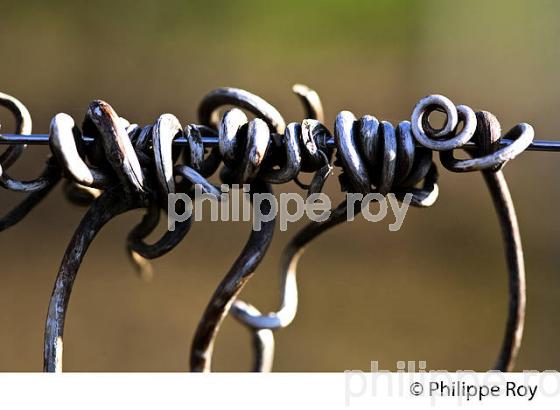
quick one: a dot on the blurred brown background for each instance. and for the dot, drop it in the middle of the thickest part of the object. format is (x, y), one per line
(435, 291)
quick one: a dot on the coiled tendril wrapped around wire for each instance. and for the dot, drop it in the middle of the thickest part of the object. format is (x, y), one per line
(128, 167)
(375, 157)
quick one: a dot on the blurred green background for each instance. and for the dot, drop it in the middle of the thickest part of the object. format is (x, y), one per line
(434, 291)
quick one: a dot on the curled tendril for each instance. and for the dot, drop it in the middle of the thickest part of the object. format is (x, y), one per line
(39, 188)
(137, 167)
(489, 159)
(360, 146)
(243, 145)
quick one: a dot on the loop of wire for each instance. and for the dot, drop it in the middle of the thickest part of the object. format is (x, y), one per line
(132, 167)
